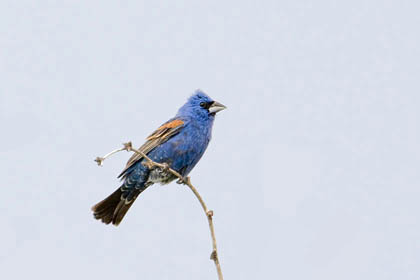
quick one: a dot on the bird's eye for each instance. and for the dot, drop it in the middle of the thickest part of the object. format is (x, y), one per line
(203, 104)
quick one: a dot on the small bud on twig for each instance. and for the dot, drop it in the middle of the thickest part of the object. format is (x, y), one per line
(128, 146)
(213, 255)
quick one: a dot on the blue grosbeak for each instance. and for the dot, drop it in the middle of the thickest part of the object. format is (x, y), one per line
(180, 143)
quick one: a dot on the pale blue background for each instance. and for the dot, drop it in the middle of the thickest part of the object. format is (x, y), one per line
(313, 171)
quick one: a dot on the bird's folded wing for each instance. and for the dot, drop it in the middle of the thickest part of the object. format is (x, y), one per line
(159, 136)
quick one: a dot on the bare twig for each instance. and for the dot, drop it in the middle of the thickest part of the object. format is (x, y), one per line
(181, 180)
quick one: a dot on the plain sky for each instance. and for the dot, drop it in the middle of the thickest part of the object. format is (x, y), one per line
(312, 172)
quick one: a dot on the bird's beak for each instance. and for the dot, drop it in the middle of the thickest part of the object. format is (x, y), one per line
(216, 107)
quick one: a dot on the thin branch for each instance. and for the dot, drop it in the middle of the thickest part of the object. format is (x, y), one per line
(100, 160)
(181, 180)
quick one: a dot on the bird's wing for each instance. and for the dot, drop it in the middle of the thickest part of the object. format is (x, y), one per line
(159, 136)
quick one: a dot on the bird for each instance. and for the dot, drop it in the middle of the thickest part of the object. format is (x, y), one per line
(178, 143)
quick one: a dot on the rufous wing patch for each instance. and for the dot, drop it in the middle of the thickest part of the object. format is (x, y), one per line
(172, 124)
(164, 129)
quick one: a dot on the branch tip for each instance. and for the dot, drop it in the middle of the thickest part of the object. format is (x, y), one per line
(99, 160)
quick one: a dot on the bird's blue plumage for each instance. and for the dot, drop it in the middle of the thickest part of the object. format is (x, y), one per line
(180, 143)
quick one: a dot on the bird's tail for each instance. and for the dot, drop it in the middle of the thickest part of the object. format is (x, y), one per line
(114, 207)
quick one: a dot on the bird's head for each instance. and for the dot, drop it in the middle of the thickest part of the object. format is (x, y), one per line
(200, 105)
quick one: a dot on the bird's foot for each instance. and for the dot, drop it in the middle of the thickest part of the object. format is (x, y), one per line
(184, 181)
(165, 167)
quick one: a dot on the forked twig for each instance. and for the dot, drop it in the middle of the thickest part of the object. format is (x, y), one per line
(181, 180)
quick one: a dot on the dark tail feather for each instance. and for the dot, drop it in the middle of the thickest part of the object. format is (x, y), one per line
(114, 207)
